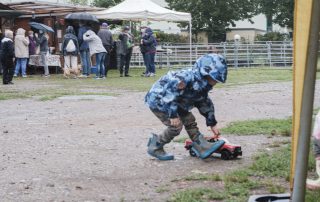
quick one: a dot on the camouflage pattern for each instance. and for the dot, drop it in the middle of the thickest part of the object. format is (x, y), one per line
(165, 96)
(187, 119)
(167, 101)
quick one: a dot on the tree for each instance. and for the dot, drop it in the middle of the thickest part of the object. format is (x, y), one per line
(214, 16)
(105, 3)
(276, 11)
(80, 2)
(284, 13)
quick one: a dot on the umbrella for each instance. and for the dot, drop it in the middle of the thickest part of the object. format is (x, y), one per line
(82, 16)
(41, 26)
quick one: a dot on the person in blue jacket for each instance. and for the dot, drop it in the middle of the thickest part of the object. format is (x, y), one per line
(173, 96)
(150, 44)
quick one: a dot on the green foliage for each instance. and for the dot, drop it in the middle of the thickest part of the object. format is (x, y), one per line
(264, 126)
(105, 3)
(171, 38)
(215, 16)
(278, 11)
(80, 2)
(271, 36)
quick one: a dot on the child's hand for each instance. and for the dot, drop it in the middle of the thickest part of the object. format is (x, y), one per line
(175, 122)
(215, 131)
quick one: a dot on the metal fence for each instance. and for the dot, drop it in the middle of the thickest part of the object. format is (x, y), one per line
(270, 54)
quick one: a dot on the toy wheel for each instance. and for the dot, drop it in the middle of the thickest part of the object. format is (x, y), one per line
(226, 155)
(192, 153)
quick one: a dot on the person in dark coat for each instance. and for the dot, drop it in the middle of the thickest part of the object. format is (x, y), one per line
(84, 51)
(150, 44)
(32, 44)
(143, 52)
(1, 37)
(42, 41)
(125, 51)
(7, 57)
(70, 50)
(107, 41)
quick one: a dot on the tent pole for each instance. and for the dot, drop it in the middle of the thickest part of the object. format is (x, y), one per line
(190, 36)
(307, 100)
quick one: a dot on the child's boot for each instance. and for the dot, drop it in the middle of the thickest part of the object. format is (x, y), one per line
(315, 184)
(203, 148)
(155, 149)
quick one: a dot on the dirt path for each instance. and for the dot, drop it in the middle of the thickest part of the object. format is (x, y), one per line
(95, 150)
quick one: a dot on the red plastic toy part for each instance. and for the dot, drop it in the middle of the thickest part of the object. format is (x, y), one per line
(228, 151)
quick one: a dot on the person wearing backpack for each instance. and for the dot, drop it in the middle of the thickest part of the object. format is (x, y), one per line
(150, 44)
(70, 50)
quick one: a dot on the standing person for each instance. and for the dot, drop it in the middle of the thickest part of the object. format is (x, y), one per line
(84, 51)
(1, 37)
(315, 184)
(42, 41)
(150, 43)
(143, 52)
(107, 41)
(7, 57)
(32, 43)
(21, 50)
(96, 47)
(173, 96)
(126, 46)
(70, 50)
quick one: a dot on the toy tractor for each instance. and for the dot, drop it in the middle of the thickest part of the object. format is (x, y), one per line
(228, 151)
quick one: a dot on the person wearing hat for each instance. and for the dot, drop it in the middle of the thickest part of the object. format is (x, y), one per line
(107, 41)
(125, 51)
(7, 57)
(173, 96)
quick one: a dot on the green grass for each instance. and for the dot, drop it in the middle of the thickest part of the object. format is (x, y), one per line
(197, 195)
(57, 85)
(263, 126)
(203, 177)
(269, 173)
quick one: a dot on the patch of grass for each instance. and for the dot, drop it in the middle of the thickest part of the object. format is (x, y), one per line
(276, 164)
(203, 177)
(266, 173)
(264, 126)
(257, 75)
(134, 83)
(197, 195)
(162, 189)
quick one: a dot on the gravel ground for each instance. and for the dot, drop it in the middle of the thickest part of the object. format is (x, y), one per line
(94, 149)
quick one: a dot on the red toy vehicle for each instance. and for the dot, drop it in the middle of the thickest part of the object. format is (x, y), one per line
(227, 151)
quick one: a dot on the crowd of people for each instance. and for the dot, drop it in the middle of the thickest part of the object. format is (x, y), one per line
(16, 50)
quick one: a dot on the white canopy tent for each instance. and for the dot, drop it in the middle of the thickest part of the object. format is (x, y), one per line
(143, 10)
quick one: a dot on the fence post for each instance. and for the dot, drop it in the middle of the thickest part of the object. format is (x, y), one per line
(248, 58)
(269, 53)
(236, 54)
(284, 54)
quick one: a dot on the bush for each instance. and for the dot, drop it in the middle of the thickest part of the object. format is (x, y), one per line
(272, 36)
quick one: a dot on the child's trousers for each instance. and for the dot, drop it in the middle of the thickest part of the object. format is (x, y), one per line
(187, 120)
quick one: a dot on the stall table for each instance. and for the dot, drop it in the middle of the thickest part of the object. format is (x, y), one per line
(52, 60)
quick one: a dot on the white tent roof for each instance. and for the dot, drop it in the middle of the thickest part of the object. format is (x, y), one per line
(139, 10)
